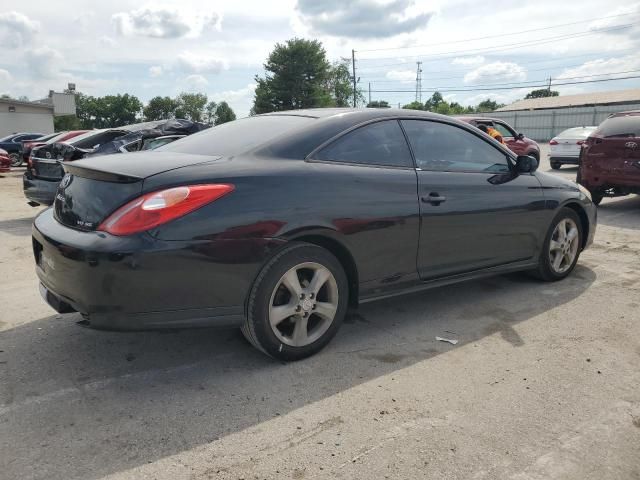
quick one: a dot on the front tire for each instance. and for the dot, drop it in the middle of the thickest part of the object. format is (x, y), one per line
(297, 303)
(561, 248)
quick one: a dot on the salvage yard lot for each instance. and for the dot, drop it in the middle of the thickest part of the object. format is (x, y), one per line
(544, 382)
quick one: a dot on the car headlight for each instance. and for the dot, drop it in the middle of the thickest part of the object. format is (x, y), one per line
(586, 192)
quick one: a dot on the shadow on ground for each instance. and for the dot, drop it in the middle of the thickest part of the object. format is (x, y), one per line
(622, 212)
(18, 226)
(78, 403)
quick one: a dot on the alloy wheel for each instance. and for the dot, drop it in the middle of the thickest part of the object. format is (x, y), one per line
(563, 246)
(303, 304)
(16, 159)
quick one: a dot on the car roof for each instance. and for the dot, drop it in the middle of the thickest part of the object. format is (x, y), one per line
(357, 114)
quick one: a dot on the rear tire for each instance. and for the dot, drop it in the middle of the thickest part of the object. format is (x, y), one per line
(596, 197)
(556, 165)
(297, 303)
(561, 248)
(16, 159)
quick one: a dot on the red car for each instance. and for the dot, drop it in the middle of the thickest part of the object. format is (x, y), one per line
(5, 161)
(517, 142)
(610, 158)
(28, 145)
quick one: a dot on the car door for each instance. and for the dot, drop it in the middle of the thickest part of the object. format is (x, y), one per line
(475, 211)
(510, 137)
(368, 194)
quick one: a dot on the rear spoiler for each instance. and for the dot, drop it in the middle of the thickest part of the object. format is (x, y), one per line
(100, 175)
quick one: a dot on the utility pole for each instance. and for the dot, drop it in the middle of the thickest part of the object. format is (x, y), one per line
(549, 88)
(369, 92)
(419, 83)
(353, 62)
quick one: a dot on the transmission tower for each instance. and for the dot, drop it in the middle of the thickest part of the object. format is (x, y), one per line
(419, 82)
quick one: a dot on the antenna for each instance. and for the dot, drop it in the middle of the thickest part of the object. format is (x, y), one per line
(419, 82)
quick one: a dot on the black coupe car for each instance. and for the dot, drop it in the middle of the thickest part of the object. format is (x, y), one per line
(278, 223)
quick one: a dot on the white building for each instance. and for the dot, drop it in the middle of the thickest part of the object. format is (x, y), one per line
(20, 116)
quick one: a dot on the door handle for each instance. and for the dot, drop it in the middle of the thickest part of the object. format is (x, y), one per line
(434, 198)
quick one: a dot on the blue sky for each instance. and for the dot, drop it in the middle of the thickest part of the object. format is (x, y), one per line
(163, 48)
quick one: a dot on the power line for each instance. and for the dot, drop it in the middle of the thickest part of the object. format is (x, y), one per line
(495, 36)
(507, 47)
(544, 85)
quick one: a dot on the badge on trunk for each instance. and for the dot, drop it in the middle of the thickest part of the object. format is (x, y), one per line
(66, 180)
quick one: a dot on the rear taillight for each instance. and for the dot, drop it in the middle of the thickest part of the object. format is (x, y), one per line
(580, 142)
(156, 208)
(553, 142)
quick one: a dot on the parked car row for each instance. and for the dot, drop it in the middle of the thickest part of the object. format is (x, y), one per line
(12, 144)
(45, 169)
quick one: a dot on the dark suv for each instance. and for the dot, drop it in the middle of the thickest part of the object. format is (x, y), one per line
(517, 142)
(610, 158)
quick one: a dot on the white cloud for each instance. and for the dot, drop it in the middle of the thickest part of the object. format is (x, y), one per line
(5, 80)
(44, 62)
(468, 61)
(404, 76)
(192, 62)
(107, 41)
(232, 96)
(496, 72)
(155, 71)
(165, 22)
(195, 82)
(601, 66)
(16, 29)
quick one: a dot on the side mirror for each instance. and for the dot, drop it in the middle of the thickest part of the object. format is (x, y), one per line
(526, 164)
(520, 136)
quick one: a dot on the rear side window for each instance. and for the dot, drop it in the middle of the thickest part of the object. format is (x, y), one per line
(622, 126)
(238, 136)
(442, 147)
(380, 143)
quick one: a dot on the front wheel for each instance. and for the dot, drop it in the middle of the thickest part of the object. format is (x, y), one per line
(16, 159)
(561, 248)
(297, 303)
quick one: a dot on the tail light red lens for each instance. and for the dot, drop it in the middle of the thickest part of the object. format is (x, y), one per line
(156, 208)
(553, 142)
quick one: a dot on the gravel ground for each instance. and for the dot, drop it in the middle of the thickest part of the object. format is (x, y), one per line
(544, 383)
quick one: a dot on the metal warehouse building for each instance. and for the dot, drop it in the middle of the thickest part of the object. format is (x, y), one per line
(543, 118)
(19, 116)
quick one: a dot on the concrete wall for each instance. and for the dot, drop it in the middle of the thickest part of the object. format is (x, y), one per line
(543, 125)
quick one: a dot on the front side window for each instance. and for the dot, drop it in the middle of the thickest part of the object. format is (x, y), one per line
(505, 131)
(380, 143)
(447, 148)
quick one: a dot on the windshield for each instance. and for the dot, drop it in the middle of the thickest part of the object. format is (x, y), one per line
(237, 136)
(7, 138)
(627, 125)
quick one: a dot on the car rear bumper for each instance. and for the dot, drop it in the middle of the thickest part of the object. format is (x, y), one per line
(140, 283)
(38, 190)
(565, 160)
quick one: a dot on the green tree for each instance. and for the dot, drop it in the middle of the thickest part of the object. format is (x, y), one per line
(415, 105)
(108, 111)
(191, 106)
(340, 86)
(210, 113)
(541, 93)
(378, 104)
(66, 122)
(434, 102)
(224, 113)
(160, 108)
(488, 106)
(297, 75)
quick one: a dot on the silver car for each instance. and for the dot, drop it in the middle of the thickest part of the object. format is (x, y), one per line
(565, 147)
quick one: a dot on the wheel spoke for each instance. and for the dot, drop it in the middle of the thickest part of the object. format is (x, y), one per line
(300, 334)
(280, 313)
(292, 283)
(573, 233)
(557, 261)
(562, 230)
(326, 310)
(320, 276)
(553, 246)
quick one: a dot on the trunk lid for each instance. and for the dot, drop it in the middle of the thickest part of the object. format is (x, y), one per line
(93, 188)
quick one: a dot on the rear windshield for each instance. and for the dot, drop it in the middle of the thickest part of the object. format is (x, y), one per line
(95, 139)
(238, 136)
(579, 132)
(622, 126)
